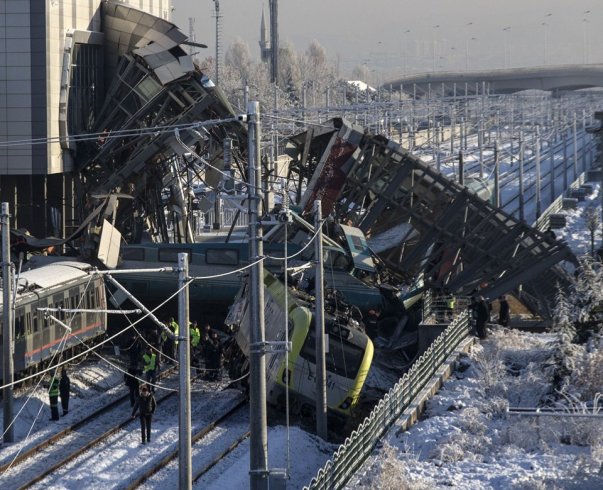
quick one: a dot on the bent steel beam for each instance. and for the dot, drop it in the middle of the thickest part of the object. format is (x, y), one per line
(464, 242)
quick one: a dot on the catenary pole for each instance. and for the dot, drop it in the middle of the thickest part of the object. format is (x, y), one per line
(258, 439)
(7, 330)
(184, 413)
(521, 189)
(537, 163)
(496, 175)
(321, 368)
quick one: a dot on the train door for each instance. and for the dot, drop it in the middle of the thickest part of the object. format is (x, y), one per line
(20, 340)
(47, 329)
(75, 319)
(56, 329)
(37, 323)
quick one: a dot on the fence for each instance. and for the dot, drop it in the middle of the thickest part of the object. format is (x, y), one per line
(359, 445)
(542, 223)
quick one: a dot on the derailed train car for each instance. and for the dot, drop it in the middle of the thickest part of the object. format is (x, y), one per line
(38, 338)
(348, 359)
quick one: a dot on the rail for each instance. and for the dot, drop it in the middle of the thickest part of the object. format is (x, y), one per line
(359, 445)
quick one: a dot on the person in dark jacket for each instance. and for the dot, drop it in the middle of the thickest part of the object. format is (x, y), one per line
(213, 358)
(132, 383)
(64, 388)
(503, 311)
(145, 405)
(482, 316)
(53, 395)
(134, 351)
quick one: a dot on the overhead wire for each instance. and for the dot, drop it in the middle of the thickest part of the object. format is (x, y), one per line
(58, 352)
(118, 133)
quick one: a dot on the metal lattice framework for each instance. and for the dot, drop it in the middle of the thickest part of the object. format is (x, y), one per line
(138, 145)
(463, 242)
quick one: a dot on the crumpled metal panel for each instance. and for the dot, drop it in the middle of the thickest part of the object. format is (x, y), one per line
(463, 242)
(128, 30)
(153, 89)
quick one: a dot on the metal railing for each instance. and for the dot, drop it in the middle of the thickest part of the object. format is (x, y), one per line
(359, 445)
(542, 223)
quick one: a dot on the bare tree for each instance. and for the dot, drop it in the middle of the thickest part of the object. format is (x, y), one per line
(361, 72)
(289, 77)
(238, 58)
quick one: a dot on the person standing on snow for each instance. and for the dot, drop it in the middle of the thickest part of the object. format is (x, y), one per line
(503, 312)
(150, 367)
(145, 405)
(64, 388)
(53, 395)
(133, 384)
(482, 316)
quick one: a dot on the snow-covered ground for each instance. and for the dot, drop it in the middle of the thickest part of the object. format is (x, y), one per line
(122, 458)
(468, 440)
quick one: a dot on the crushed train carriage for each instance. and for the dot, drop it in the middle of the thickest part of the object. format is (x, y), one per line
(349, 358)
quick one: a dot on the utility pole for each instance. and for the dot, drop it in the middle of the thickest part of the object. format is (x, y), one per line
(7, 331)
(461, 169)
(258, 440)
(480, 144)
(436, 132)
(191, 35)
(551, 148)
(521, 164)
(218, 26)
(575, 145)
(274, 40)
(537, 162)
(496, 176)
(184, 412)
(321, 366)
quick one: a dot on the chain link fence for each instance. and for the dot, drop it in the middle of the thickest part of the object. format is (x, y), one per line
(359, 445)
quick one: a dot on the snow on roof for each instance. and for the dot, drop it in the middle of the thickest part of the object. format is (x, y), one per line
(361, 85)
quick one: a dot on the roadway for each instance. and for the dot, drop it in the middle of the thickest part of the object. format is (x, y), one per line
(502, 81)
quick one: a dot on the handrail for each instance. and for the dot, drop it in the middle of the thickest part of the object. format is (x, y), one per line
(361, 442)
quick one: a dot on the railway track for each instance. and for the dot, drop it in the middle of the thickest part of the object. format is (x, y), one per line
(211, 443)
(44, 453)
(101, 457)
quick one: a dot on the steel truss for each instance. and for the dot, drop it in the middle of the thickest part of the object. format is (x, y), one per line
(465, 243)
(137, 144)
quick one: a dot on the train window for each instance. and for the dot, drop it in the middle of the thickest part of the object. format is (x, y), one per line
(28, 323)
(171, 254)
(34, 320)
(132, 253)
(44, 304)
(222, 256)
(19, 323)
(343, 359)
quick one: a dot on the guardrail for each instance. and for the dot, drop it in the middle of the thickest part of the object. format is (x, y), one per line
(359, 445)
(542, 223)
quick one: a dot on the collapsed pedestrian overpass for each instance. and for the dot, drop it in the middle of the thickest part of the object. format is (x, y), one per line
(456, 239)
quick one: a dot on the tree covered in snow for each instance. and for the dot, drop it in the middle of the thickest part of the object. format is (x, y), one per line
(576, 361)
(579, 311)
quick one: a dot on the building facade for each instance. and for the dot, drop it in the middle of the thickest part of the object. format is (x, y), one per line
(51, 81)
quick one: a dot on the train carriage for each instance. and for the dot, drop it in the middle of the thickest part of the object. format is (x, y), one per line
(66, 285)
(348, 359)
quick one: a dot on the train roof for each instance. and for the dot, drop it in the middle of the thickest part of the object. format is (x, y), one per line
(53, 274)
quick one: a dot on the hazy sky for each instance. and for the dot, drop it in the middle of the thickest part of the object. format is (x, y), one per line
(393, 36)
